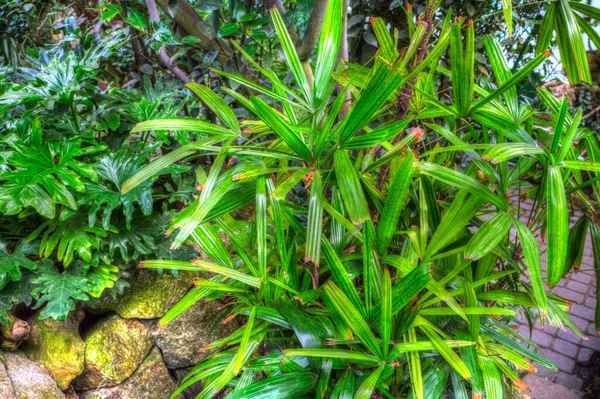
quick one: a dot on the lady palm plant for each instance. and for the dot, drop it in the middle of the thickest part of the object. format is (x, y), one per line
(398, 270)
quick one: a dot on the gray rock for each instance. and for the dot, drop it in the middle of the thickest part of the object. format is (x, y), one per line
(150, 381)
(190, 392)
(114, 350)
(29, 379)
(184, 339)
(540, 388)
(6, 389)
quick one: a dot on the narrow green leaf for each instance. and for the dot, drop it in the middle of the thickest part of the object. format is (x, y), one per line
(350, 188)
(352, 317)
(208, 240)
(216, 286)
(470, 311)
(240, 357)
(583, 165)
(166, 160)
(504, 340)
(508, 19)
(454, 221)
(394, 203)
(282, 386)
(557, 225)
(492, 379)
(577, 240)
(531, 252)
(366, 389)
(189, 219)
(567, 141)
(307, 330)
(440, 292)
(560, 125)
(340, 275)
(324, 378)
(186, 125)
(409, 286)
(315, 221)
(377, 136)
(447, 353)
(387, 48)
(570, 44)
(199, 265)
(351, 356)
(288, 183)
(233, 274)
(488, 236)
(327, 50)
(501, 152)
(427, 346)
(281, 128)
(216, 105)
(259, 88)
(414, 367)
(291, 55)
(261, 226)
(458, 179)
(344, 389)
(501, 70)
(371, 272)
(513, 80)
(383, 82)
(546, 29)
(386, 312)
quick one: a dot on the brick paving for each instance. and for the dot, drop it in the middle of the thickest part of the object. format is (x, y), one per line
(563, 347)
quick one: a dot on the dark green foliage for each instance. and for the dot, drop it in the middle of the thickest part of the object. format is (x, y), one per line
(68, 231)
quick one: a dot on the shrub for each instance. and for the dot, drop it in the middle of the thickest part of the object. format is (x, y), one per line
(370, 229)
(66, 231)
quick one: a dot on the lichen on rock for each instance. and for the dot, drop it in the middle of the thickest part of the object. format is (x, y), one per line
(150, 381)
(114, 350)
(149, 297)
(58, 346)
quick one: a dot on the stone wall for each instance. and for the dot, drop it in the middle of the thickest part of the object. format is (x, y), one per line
(114, 347)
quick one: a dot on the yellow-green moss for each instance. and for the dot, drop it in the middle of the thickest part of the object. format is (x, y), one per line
(58, 346)
(114, 349)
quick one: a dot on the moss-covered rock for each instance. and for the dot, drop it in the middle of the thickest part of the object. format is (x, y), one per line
(113, 351)
(150, 381)
(149, 297)
(58, 346)
(184, 339)
(29, 379)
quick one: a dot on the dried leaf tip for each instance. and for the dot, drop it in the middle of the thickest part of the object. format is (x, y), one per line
(418, 133)
(532, 368)
(522, 386)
